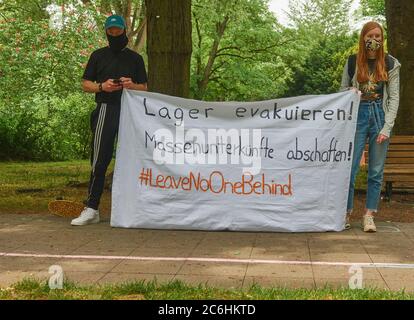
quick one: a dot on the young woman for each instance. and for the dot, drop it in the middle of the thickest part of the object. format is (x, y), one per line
(377, 76)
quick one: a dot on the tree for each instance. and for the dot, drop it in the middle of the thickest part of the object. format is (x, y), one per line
(401, 44)
(35, 10)
(320, 18)
(43, 112)
(240, 51)
(323, 32)
(169, 46)
(373, 8)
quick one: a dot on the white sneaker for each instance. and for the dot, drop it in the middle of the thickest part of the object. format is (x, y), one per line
(347, 222)
(88, 216)
(368, 224)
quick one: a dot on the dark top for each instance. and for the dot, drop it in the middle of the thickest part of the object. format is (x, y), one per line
(378, 88)
(372, 90)
(104, 64)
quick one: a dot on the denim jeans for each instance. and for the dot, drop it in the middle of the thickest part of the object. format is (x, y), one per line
(369, 124)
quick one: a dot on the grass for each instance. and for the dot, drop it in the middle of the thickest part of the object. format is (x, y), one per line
(29, 289)
(27, 187)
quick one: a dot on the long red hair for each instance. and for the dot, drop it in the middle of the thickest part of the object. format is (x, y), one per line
(362, 56)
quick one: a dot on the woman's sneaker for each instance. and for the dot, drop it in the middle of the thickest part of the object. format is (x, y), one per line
(368, 224)
(347, 222)
(88, 216)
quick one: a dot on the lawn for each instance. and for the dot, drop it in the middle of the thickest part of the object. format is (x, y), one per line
(176, 290)
(27, 187)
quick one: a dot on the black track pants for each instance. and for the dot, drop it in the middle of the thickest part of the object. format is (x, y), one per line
(104, 125)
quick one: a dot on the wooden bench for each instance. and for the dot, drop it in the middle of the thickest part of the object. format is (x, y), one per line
(399, 164)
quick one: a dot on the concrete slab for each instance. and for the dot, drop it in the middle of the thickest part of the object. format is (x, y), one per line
(84, 277)
(143, 251)
(103, 250)
(223, 251)
(343, 272)
(401, 286)
(213, 269)
(7, 278)
(403, 275)
(279, 271)
(155, 267)
(294, 253)
(225, 259)
(87, 265)
(26, 264)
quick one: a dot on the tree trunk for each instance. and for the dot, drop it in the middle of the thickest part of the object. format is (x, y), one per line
(401, 45)
(169, 46)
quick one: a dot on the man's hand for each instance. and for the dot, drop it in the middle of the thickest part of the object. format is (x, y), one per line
(110, 86)
(127, 83)
(381, 138)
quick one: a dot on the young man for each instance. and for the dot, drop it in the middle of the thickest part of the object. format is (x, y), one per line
(108, 72)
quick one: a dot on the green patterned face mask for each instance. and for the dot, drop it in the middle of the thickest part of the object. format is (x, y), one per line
(372, 44)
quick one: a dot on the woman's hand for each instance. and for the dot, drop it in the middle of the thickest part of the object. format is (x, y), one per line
(355, 90)
(381, 138)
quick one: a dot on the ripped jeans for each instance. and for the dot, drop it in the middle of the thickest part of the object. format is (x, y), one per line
(370, 121)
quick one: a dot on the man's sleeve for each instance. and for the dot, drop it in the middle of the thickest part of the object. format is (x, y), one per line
(90, 72)
(141, 73)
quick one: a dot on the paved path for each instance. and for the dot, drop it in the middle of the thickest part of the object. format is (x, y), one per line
(30, 244)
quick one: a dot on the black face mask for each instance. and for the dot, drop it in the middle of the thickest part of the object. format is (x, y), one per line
(116, 44)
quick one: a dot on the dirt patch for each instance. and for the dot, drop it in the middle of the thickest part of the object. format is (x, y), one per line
(399, 209)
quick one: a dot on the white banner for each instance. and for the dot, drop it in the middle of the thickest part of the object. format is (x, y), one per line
(275, 165)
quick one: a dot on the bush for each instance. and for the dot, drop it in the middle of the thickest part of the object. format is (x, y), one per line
(43, 112)
(44, 128)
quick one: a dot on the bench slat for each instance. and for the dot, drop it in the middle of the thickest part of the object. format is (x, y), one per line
(395, 161)
(402, 139)
(401, 166)
(398, 160)
(392, 178)
(401, 154)
(401, 147)
(407, 171)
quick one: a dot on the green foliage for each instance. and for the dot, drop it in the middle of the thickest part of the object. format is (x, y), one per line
(322, 29)
(322, 71)
(44, 114)
(19, 9)
(320, 18)
(373, 7)
(257, 58)
(43, 128)
(250, 62)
